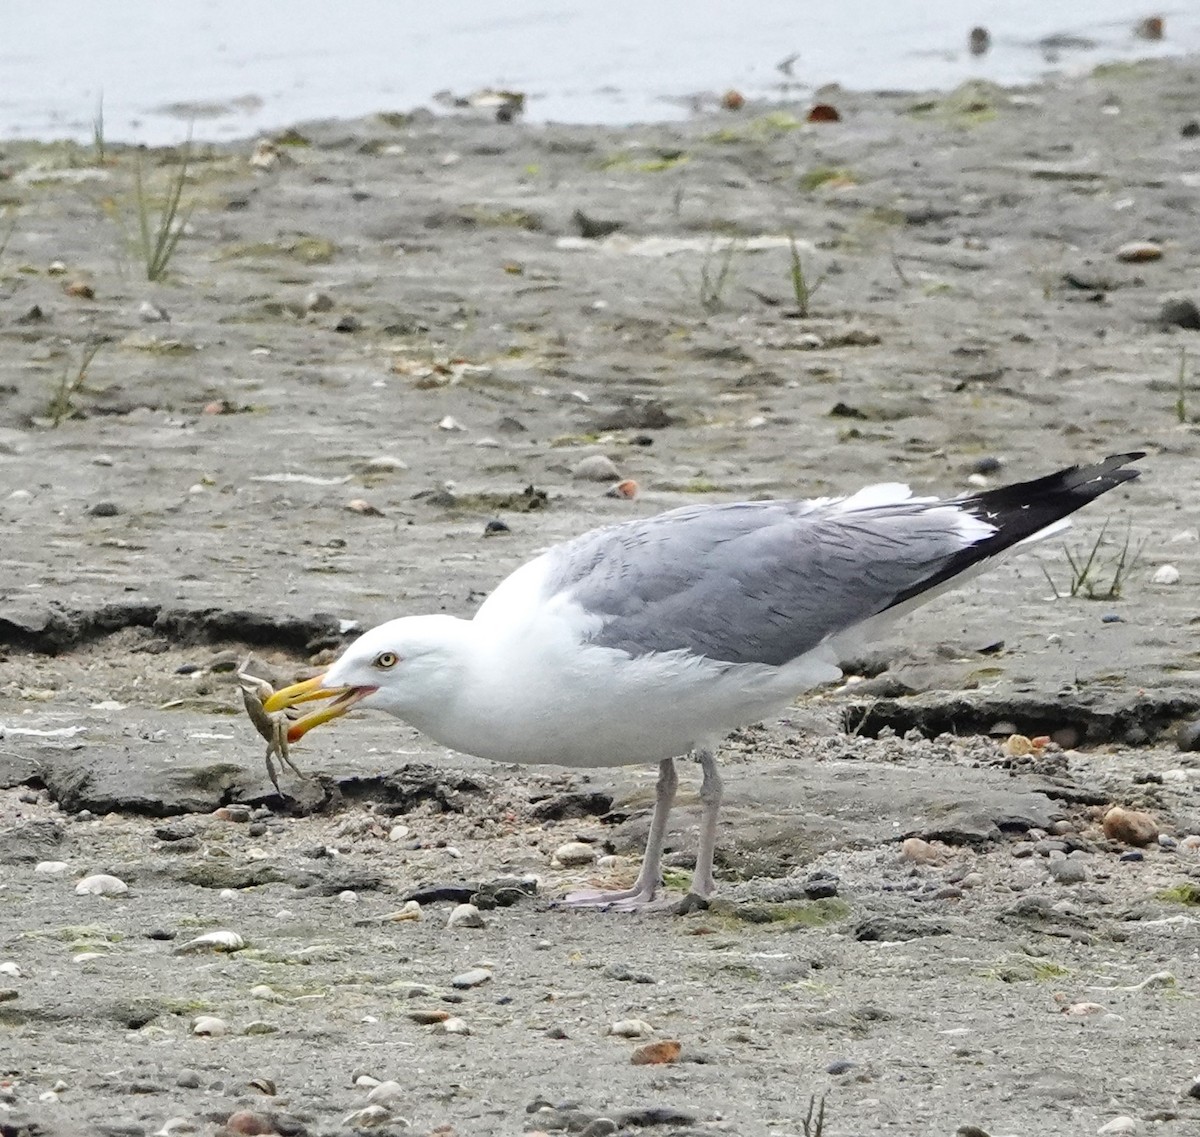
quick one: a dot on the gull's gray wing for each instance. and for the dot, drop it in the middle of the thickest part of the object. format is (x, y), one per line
(755, 582)
(764, 582)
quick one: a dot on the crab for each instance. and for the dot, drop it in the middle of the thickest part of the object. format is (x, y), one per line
(272, 726)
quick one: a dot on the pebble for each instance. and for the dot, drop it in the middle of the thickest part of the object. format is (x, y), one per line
(1067, 870)
(220, 940)
(1179, 312)
(1136, 252)
(385, 1093)
(476, 977)
(657, 1053)
(1166, 841)
(348, 896)
(465, 916)
(575, 853)
(248, 1122)
(105, 509)
(920, 851)
(1165, 574)
(188, 1080)
(1187, 737)
(450, 423)
(210, 1026)
(1132, 855)
(11, 969)
(1122, 1124)
(385, 464)
(151, 313)
(101, 884)
(398, 832)
(599, 1127)
(631, 1028)
(372, 1117)
(1190, 843)
(839, 1066)
(1129, 826)
(239, 814)
(1083, 1010)
(595, 468)
(318, 302)
(453, 1025)
(51, 868)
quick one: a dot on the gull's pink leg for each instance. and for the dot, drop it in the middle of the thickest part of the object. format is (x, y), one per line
(646, 885)
(711, 791)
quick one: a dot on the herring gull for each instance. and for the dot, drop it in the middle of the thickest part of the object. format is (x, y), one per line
(652, 639)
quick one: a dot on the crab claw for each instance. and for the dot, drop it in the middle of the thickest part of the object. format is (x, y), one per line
(313, 690)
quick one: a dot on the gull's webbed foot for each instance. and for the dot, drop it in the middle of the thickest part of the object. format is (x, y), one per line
(613, 899)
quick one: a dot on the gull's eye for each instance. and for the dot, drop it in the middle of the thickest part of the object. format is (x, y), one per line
(386, 659)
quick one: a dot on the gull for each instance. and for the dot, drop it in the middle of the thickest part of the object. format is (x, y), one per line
(653, 639)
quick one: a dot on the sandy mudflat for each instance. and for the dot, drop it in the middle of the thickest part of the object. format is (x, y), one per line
(419, 290)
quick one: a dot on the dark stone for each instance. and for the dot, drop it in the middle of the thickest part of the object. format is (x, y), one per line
(175, 832)
(29, 842)
(636, 416)
(104, 509)
(1187, 735)
(1179, 312)
(839, 1066)
(898, 928)
(496, 527)
(573, 804)
(654, 1115)
(625, 974)
(820, 887)
(1190, 129)
(1132, 856)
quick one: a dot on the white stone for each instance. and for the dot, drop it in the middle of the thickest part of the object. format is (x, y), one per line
(1122, 1124)
(1166, 574)
(595, 468)
(210, 1026)
(398, 832)
(52, 868)
(450, 423)
(465, 916)
(220, 940)
(475, 977)
(631, 1028)
(101, 884)
(386, 463)
(10, 969)
(349, 896)
(575, 853)
(453, 1025)
(385, 1093)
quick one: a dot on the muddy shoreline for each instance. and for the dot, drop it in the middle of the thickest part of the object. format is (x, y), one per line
(369, 342)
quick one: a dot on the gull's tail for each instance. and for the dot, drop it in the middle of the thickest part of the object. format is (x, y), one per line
(1025, 512)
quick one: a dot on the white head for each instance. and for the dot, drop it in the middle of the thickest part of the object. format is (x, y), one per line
(411, 668)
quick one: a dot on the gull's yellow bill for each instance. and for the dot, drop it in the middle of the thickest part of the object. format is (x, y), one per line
(311, 691)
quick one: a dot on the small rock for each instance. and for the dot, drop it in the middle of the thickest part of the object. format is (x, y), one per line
(595, 468)
(839, 1066)
(1187, 736)
(1193, 1091)
(363, 507)
(348, 324)
(1165, 574)
(978, 42)
(385, 464)
(1083, 1010)
(1132, 856)
(1135, 252)
(1166, 841)
(575, 853)
(920, 851)
(188, 1080)
(495, 527)
(410, 911)
(1122, 1124)
(104, 509)
(631, 1028)
(657, 1053)
(51, 868)
(210, 1026)
(385, 1093)
(626, 490)
(1190, 843)
(219, 941)
(450, 423)
(240, 814)
(1067, 870)
(248, 1122)
(465, 916)
(1130, 826)
(151, 313)
(101, 884)
(318, 302)
(1179, 312)
(371, 1117)
(475, 977)
(453, 1025)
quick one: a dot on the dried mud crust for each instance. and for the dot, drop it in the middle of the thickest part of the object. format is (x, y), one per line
(402, 316)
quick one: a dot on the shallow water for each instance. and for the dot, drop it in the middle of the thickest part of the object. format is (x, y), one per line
(234, 69)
